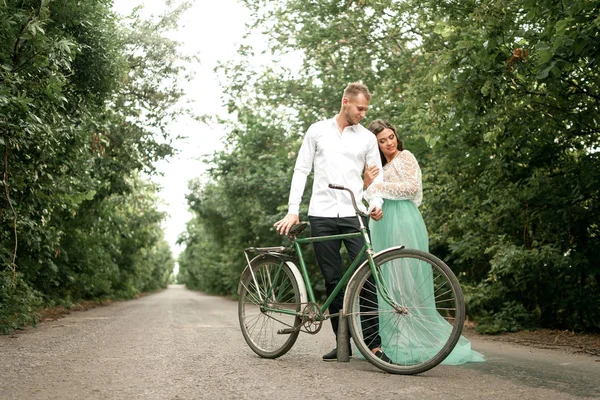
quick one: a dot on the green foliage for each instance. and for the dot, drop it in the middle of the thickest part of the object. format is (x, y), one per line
(241, 186)
(17, 302)
(511, 317)
(498, 100)
(84, 106)
(515, 174)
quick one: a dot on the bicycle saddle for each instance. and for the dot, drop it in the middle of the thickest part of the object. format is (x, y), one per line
(297, 229)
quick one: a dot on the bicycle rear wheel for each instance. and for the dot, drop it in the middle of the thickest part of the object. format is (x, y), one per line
(424, 321)
(269, 305)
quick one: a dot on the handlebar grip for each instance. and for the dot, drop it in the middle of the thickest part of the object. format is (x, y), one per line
(338, 187)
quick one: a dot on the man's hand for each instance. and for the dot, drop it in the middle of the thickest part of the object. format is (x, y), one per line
(371, 171)
(377, 214)
(283, 227)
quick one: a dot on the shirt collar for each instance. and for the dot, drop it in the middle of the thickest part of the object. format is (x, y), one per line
(334, 122)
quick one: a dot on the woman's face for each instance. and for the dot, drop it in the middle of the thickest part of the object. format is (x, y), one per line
(388, 144)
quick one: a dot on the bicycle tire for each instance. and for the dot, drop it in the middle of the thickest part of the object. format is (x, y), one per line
(427, 323)
(259, 326)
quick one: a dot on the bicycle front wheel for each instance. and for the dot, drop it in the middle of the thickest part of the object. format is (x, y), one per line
(269, 305)
(416, 316)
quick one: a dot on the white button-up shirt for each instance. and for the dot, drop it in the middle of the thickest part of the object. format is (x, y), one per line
(339, 158)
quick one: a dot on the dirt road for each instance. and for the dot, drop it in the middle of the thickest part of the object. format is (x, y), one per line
(179, 344)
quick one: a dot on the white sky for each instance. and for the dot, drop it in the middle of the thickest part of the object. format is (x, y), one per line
(212, 30)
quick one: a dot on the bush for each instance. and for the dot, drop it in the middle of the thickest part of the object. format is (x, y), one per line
(17, 302)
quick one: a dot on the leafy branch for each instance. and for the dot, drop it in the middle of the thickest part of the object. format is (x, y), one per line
(13, 265)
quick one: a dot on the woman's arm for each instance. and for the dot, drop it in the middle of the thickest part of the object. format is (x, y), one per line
(371, 171)
(404, 183)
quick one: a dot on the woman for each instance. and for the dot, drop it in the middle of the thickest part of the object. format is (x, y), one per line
(402, 224)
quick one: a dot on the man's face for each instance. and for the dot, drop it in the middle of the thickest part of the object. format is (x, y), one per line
(355, 108)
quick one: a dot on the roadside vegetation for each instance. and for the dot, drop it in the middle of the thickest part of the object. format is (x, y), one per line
(85, 96)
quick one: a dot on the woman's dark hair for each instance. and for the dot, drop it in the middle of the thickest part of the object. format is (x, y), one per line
(376, 127)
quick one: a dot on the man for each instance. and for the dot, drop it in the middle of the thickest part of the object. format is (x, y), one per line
(340, 149)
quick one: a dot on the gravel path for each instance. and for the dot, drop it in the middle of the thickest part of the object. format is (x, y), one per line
(179, 344)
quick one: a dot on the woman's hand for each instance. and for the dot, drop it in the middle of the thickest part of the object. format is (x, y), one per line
(376, 214)
(371, 171)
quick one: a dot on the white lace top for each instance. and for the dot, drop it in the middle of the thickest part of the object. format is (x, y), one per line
(401, 180)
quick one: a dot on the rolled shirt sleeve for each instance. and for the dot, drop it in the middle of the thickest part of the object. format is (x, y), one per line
(373, 158)
(302, 168)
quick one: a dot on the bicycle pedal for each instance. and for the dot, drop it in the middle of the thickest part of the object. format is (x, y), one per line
(286, 331)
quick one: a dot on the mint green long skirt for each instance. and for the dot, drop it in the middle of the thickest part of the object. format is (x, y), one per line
(402, 224)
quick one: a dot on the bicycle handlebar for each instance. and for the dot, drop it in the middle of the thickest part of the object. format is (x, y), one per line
(341, 187)
(337, 187)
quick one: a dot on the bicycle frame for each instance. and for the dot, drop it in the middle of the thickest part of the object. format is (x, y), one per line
(366, 249)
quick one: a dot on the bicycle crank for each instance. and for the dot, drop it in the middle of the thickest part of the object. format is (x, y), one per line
(312, 318)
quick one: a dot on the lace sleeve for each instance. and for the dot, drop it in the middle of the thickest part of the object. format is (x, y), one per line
(402, 180)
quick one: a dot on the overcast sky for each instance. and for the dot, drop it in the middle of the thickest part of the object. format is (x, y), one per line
(211, 29)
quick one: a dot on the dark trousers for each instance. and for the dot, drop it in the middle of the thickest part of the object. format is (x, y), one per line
(330, 261)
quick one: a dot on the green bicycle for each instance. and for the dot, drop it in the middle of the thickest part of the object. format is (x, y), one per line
(419, 318)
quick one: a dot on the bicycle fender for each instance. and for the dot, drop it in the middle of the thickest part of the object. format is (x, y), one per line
(291, 266)
(363, 265)
(299, 280)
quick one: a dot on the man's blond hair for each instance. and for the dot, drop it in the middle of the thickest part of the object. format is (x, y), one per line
(355, 88)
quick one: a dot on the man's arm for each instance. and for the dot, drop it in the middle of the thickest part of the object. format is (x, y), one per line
(303, 166)
(373, 158)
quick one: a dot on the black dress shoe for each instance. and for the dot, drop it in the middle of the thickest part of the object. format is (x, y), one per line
(381, 355)
(332, 355)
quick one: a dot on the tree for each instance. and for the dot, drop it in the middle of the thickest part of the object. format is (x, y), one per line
(84, 112)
